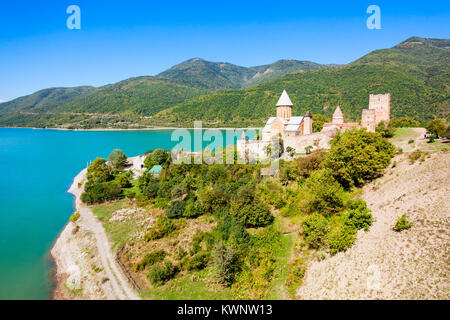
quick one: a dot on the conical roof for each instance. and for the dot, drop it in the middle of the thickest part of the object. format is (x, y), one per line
(284, 100)
(338, 113)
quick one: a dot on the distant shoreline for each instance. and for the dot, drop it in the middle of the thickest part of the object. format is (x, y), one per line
(135, 129)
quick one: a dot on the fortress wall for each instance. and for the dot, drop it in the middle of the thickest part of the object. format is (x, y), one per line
(381, 103)
(299, 143)
(368, 119)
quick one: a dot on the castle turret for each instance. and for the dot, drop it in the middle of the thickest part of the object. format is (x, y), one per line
(307, 126)
(338, 116)
(381, 103)
(284, 106)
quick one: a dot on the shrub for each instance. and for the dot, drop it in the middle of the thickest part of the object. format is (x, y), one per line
(150, 259)
(325, 194)
(118, 159)
(160, 274)
(296, 273)
(225, 263)
(165, 189)
(249, 210)
(192, 209)
(410, 141)
(99, 171)
(416, 155)
(97, 192)
(149, 185)
(306, 165)
(404, 122)
(175, 209)
(179, 191)
(211, 198)
(386, 132)
(359, 215)
(124, 179)
(341, 238)
(198, 261)
(358, 156)
(436, 127)
(290, 151)
(315, 230)
(156, 157)
(75, 217)
(181, 253)
(230, 230)
(162, 228)
(130, 194)
(402, 223)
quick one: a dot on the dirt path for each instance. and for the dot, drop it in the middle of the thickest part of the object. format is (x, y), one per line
(69, 264)
(384, 264)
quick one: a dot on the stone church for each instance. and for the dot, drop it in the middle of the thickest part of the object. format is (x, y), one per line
(297, 133)
(284, 124)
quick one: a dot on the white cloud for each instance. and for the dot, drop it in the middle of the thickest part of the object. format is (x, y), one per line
(1, 101)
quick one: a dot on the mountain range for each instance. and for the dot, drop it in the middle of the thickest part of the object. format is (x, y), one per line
(416, 72)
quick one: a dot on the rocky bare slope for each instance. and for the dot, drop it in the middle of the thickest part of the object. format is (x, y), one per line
(384, 264)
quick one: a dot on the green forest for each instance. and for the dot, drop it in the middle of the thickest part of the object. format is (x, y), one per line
(416, 73)
(225, 231)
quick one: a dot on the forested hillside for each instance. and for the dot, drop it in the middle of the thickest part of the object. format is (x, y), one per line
(218, 76)
(131, 102)
(415, 72)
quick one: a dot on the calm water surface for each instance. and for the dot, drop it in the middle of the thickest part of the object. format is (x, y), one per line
(36, 169)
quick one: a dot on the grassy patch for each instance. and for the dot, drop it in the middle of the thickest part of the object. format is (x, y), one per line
(278, 290)
(405, 134)
(192, 286)
(118, 232)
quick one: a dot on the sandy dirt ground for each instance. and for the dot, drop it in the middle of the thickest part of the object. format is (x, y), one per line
(384, 264)
(85, 264)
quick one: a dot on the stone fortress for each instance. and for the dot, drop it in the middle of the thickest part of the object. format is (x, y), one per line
(297, 132)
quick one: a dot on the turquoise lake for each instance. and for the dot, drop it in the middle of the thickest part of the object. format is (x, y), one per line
(37, 167)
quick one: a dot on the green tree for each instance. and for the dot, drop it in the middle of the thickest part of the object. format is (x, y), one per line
(99, 171)
(249, 209)
(156, 157)
(358, 156)
(225, 263)
(315, 229)
(175, 209)
(290, 151)
(318, 121)
(437, 127)
(386, 132)
(324, 194)
(211, 198)
(118, 159)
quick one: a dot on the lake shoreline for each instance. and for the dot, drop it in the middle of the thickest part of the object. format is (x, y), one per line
(81, 245)
(136, 129)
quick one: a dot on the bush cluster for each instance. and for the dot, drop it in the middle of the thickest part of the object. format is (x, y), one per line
(402, 223)
(160, 273)
(162, 228)
(150, 259)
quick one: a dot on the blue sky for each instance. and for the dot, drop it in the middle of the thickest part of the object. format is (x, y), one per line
(122, 39)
